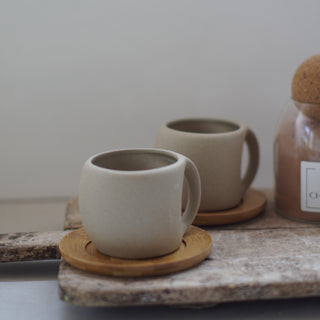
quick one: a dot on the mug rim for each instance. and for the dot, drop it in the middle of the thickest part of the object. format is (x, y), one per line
(238, 126)
(170, 154)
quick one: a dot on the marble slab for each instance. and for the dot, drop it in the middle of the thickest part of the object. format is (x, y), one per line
(72, 218)
(27, 246)
(268, 257)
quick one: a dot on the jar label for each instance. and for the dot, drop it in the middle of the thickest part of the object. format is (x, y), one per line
(310, 186)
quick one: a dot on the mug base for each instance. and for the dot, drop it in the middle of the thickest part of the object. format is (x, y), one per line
(138, 255)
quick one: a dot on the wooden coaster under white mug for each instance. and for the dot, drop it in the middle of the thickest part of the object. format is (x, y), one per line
(78, 250)
(252, 204)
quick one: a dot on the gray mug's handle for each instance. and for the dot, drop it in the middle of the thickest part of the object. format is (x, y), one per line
(252, 167)
(194, 194)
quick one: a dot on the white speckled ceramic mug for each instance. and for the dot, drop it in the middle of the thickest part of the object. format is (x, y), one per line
(215, 146)
(130, 201)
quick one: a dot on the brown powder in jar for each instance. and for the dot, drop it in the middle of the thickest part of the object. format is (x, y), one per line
(298, 140)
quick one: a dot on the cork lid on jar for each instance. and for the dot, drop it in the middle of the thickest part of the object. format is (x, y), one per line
(306, 81)
(305, 87)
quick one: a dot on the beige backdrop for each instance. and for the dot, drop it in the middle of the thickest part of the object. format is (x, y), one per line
(81, 77)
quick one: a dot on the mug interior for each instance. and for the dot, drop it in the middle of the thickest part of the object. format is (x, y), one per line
(133, 160)
(203, 126)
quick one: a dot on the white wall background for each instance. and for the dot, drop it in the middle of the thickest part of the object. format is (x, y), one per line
(79, 77)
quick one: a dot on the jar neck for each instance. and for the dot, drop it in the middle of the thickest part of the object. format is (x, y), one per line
(310, 110)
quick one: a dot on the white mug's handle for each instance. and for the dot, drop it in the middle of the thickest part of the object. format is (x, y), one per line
(194, 194)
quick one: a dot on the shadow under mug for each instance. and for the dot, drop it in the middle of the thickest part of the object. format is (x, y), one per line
(130, 201)
(215, 146)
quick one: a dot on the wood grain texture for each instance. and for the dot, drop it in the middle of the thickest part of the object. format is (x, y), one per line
(78, 250)
(252, 204)
(267, 257)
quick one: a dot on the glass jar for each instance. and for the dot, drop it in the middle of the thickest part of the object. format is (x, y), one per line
(297, 162)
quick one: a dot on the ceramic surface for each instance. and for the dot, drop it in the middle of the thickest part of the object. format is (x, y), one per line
(215, 146)
(130, 201)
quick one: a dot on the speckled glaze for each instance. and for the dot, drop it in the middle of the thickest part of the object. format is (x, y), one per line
(215, 146)
(130, 201)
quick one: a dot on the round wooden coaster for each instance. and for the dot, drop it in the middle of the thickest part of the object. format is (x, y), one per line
(252, 204)
(78, 250)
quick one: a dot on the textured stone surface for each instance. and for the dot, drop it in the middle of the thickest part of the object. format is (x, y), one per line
(268, 257)
(30, 246)
(72, 218)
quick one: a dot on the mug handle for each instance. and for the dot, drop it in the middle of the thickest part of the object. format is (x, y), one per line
(252, 167)
(194, 194)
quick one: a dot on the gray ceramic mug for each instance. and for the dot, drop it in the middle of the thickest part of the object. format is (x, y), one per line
(215, 146)
(130, 201)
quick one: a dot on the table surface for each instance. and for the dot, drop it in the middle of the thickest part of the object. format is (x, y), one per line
(29, 290)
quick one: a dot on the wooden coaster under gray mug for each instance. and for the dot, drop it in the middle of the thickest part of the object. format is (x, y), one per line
(252, 204)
